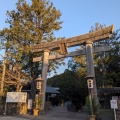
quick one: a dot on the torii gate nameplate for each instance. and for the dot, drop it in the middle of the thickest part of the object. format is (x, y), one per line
(75, 41)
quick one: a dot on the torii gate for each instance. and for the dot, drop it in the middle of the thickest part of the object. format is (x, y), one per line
(86, 39)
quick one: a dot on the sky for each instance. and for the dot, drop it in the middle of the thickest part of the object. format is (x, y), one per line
(78, 16)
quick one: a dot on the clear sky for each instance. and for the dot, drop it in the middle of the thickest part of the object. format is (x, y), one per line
(78, 16)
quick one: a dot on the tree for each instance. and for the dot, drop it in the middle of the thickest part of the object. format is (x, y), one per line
(100, 58)
(106, 63)
(71, 85)
(112, 63)
(30, 23)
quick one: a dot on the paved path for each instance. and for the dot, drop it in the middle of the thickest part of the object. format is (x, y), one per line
(11, 118)
(60, 113)
(56, 113)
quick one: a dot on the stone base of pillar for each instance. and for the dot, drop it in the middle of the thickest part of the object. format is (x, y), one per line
(35, 112)
(92, 117)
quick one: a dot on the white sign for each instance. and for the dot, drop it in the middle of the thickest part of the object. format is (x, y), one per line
(38, 86)
(16, 97)
(113, 104)
(30, 104)
(114, 97)
(90, 83)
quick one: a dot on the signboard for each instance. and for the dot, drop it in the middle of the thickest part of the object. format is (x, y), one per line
(113, 104)
(38, 86)
(37, 59)
(90, 83)
(114, 97)
(16, 97)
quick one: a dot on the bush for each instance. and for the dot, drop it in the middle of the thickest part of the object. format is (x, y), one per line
(94, 107)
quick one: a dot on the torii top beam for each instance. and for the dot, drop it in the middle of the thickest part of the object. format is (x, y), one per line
(75, 41)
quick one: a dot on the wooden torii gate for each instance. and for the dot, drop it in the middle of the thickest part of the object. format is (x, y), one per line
(85, 39)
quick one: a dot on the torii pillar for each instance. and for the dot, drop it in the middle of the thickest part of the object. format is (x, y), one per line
(90, 68)
(44, 77)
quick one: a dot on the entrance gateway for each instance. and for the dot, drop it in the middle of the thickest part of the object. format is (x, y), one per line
(62, 45)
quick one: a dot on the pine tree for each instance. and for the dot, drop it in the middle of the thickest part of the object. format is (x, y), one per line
(30, 23)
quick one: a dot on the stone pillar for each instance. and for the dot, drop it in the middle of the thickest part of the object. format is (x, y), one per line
(90, 69)
(44, 77)
(93, 117)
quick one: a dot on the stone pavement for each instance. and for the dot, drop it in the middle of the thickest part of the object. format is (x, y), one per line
(60, 113)
(11, 118)
(56, 113)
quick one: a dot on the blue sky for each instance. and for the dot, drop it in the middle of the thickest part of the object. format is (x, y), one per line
(77, 15)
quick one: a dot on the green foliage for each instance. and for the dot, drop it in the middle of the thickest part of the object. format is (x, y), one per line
(95, 108)
(107, 63)
(97, 26)
(30, 23)
(37, 102)
(70, 84)
(113, 61)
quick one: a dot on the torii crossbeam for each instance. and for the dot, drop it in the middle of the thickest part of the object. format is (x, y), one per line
(74, 53)
(74, 41)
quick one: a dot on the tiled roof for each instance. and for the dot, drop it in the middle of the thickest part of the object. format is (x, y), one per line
(51, 90)
(109, 90)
